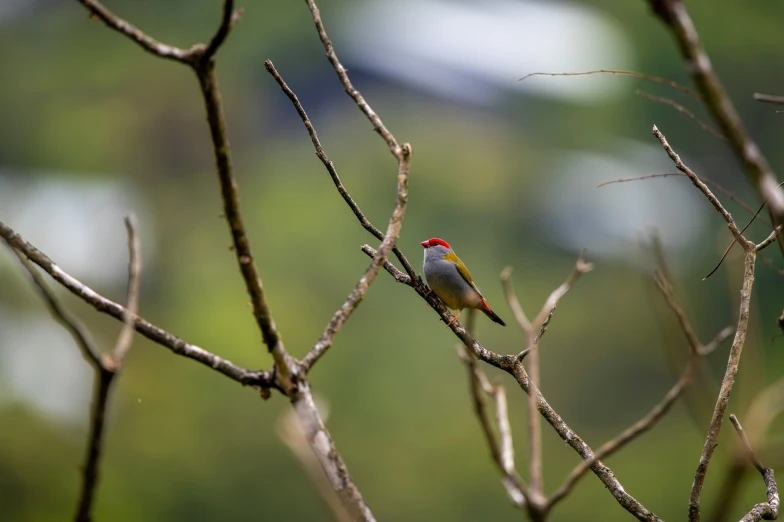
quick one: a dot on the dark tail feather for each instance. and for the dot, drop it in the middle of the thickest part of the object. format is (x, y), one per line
(492, 315)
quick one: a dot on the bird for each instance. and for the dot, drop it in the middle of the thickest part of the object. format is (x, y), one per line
(449, 278)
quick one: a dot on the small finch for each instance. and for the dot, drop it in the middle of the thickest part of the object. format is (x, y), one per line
(449, 278)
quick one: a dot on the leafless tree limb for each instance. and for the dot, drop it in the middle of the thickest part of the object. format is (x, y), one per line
(388, 239)
(697, 183)
(132, 308)
(104, 378)
(705, 180)
(726, 386)
(696, 350)
(501, 447)
(768, 510)
(512, 365)
(736, 350)
(156, 334)
(378, 125)
(680, 108)
(675, 17)
(769, 98)
(105, 367)
(634, 74)
(540, 323)
(79, 333)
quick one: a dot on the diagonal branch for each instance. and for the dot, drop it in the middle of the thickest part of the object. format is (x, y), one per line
(674, 16)
(388, 239)
(152, 332)
(149, 44)
(726, 386)
(701, 186)
(696, 351)
(501, 447)
(378, 125)
(540, 323)
(362, 286)
(767, 510)
(77, 330)
(605, 474)
(104, 378)
(512, 365)
(683, 110)
(132, 308)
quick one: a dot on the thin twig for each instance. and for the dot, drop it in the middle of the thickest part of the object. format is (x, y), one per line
(152, 46)
(366, 224)
(705, 180)
(513, 302)
(378, 125)
(769, 98)
(648, 77)
(726, 386)
(699, 184)
(675, 16)
(152, 332)
(696, 350)
(768, 510)
(388, 239)
(362, 286)
(77, 330)
(229, 18)
(104, 378)
(132, 308)
(511, 365)
(604, 473)
(680, 108)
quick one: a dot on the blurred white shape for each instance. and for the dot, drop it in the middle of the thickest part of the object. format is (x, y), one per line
(476, 51)
(610, 221)
(40, 365)
(79, 224)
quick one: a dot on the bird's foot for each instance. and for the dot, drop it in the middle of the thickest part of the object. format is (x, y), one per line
(454, 319)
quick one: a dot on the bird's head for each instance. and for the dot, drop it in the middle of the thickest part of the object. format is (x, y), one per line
(436, 248)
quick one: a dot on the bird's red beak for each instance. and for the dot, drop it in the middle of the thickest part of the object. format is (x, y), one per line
(425, 244)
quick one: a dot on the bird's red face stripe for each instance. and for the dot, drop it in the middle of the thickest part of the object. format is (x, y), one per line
(433, 242)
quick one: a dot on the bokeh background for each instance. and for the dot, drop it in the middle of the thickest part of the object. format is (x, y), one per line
(93, 128)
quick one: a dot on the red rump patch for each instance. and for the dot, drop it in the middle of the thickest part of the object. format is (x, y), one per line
(485, 305)
(435, 241)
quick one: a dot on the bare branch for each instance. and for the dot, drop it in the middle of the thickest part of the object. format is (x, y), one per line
(605, 474)
(580, 268)
(705, 180)
(514, 303)
(132, 308)
(647, 77)
(327, 454)
(378, 125)
(674, 16)
(700, 185)
(680, 108)
(366, 224)
(80, 335)
(726, 386)
(770, 239)
(149, 44)
(291, 434)
(535, 343)
(696, 351)
(362, 286)
(104, 377)
(230, 17)
(769, 98)
(152, 332)
(770, 509)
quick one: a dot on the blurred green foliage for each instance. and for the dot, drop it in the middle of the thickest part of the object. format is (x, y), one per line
(183, 443)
